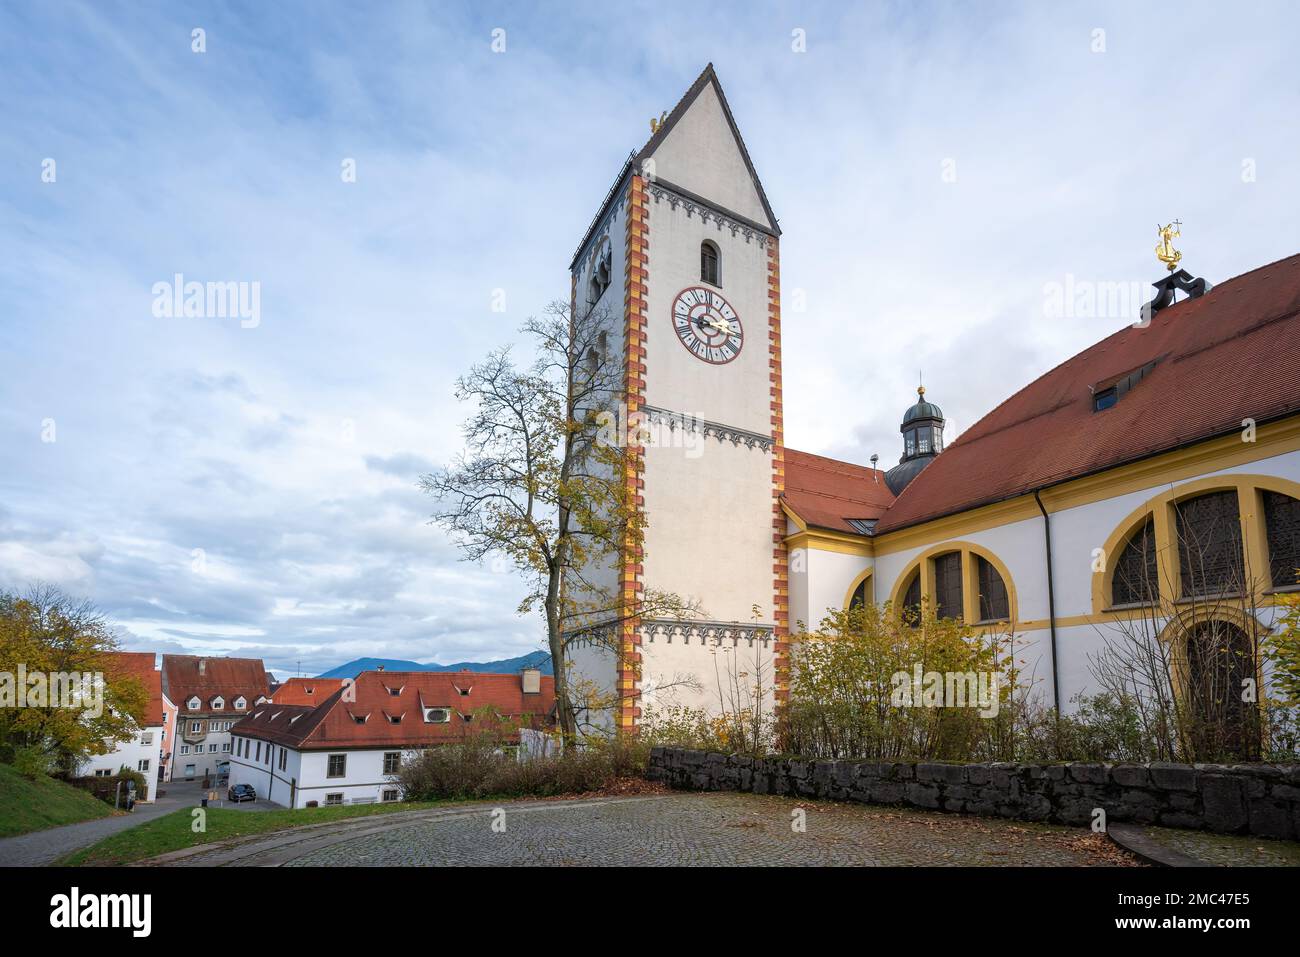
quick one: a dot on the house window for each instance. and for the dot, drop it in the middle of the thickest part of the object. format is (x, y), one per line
(392, 762)
(284, 758)
(146, 738)
(336, 798)
(1282, 520)
(709, 263)
(212, 749)
(1136, 581)
(259, 752)
(389, 795)
(338, 766)
(947, 585)
(1209, 544)
(104, 773)
(994, 605)
(143, 765)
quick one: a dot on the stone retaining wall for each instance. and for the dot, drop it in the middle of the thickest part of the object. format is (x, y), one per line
(1253, 799)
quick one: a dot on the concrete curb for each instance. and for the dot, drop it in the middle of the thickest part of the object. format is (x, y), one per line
(1133, 838)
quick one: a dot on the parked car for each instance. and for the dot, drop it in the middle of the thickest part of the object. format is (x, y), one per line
(241, 792)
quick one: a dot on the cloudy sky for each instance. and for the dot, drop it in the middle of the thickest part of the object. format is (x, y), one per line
(941, 174)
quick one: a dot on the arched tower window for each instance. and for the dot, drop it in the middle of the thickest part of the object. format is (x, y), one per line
(709, 259)
(1135, 580)
(947, 585)
(1209, 544)
(1282, 521)
(994, 604)
(601, 268)
(859, 598)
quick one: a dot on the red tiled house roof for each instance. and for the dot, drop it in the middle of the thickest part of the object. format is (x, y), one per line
(186, 676)
(380, 696)
(826, 493)
(139, 665)
(309, 691)
(1232, 354)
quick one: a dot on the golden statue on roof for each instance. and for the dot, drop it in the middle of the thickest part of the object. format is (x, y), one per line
(1165, 251)
(655, 124)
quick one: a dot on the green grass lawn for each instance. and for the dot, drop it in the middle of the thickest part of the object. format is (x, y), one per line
(27, 805)
(173, 832)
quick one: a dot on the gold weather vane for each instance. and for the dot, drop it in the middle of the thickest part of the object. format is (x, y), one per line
(1165, 251)
(656, 124)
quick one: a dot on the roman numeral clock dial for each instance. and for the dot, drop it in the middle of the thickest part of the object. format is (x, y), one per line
(707, 325)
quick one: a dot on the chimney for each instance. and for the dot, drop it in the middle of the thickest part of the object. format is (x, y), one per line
(532, 680)
(379, 667)
(203, 666)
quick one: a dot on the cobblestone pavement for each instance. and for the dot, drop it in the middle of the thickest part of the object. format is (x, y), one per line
(713, 829)
(1228, 850)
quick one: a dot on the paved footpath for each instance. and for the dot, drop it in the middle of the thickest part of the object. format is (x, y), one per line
(716, 829)
(44, 847)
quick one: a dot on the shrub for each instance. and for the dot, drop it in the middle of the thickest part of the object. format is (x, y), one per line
(105, 788)
(845, 685)
(481, 768)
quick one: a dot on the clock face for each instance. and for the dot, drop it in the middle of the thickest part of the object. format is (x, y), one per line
(707, 325)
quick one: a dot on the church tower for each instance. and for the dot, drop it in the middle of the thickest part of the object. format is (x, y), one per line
(684, 253)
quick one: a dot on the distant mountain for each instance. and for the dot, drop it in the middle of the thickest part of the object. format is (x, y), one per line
(507, 666)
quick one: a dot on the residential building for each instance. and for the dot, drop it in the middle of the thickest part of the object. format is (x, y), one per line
(305, 691)
(143, 750)
(350, 748)
(210, 694)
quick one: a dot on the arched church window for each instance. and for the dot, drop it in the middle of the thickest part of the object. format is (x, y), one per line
(1209, 544)
(859, 598)
(709, 263)
(947, 585)
(994, 603)
(1282, 519)
(912, 599)
(1135, 580)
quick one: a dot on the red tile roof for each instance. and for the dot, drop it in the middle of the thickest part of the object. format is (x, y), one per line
(185, 676)
(312, 691)
(378, 696)
(1231, 354)
(139, 665)
(825, 493)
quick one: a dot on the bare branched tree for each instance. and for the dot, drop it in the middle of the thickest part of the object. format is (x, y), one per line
(542, 483)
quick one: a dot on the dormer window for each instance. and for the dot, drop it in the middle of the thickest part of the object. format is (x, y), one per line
(218, 703)
(1104, 399)
(193, 704)
(437, 715)
(709, 260)
(240, 704)
(360, 718)
(395, 718)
